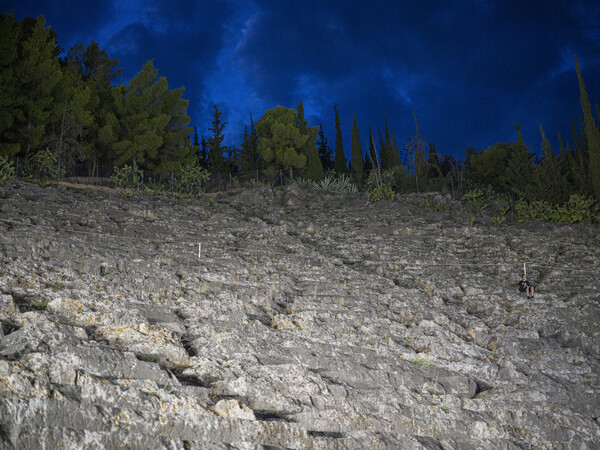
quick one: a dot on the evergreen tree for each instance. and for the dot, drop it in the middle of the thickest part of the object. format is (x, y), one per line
(357, 156)
(216, 161)
(141, 123)
(340, 158)
(97, 71)
(204, 153)
(397, 161)
(9, 52)
(324, 151)
(248, 156)
(281, 145)
(435, 170)
(30, 86)
(70, 118)
(592, 134)
(314, 167)
(553, 186)
(388, 160)
(176, 151)
(518, 176)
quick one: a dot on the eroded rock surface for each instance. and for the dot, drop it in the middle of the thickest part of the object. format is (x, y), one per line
(300, 321)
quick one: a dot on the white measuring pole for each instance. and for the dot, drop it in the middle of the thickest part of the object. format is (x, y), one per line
(199, 250)
(524, 269)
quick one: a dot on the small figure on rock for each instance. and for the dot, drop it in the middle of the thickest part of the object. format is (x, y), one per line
(526, 286)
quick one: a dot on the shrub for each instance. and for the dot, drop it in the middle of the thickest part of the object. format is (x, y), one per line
(7, 170)
(127, 177)
(475, 200)
(190, 179)
(578, 209)
(381, 193)
(43, 167)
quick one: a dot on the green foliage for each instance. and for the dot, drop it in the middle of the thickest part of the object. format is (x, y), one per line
(341, 184)
(7, 170)
(497, 220)
(340, 159)
(190, 179)
(379, 193)
(436, 206)
(141, 123)
(592, 134)
(380, 187)
(475, 200)
(578, 209)
(357, 156)
(127, 177)
(42, 167)
(280, 142)
(314, 167)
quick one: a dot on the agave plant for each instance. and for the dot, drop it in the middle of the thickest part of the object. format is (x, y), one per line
(334, 185)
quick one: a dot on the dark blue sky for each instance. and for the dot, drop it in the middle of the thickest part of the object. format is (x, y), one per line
(469, 69)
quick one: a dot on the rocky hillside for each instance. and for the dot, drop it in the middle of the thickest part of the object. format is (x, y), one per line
(267, 318)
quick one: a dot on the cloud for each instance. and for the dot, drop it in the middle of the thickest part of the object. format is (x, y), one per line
(469, 69)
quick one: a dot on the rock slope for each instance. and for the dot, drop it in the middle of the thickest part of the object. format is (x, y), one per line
(285, 318)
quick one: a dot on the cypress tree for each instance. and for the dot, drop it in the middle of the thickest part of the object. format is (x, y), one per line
(553, 187)
(357, 156)
(387, 151)
(340, 158)
(592, 134)
(216, 162)
(248, 156)
(314, 168)
(324, 151)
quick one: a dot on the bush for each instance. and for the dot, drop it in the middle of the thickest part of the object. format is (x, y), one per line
(7, 170)
(190, 178)
(43, 167)
(127, 177)
(379, 193)
(578, 209)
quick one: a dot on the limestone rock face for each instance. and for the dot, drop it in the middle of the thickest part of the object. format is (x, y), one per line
(283, 318)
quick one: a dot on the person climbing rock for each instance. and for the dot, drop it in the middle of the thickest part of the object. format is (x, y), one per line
(526, 286)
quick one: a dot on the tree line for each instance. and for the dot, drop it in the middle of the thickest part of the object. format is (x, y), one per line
(68, 105)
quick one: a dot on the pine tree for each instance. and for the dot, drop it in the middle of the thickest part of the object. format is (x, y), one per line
(30, 86)
(142, 124)
(70, 119)
(518, 175)
(357, 156)
(281, 145)
(216, 161)
(592, 134)
(340, 158)
(98, 71)
(9, 52)
(176, 151)
(324, 151)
